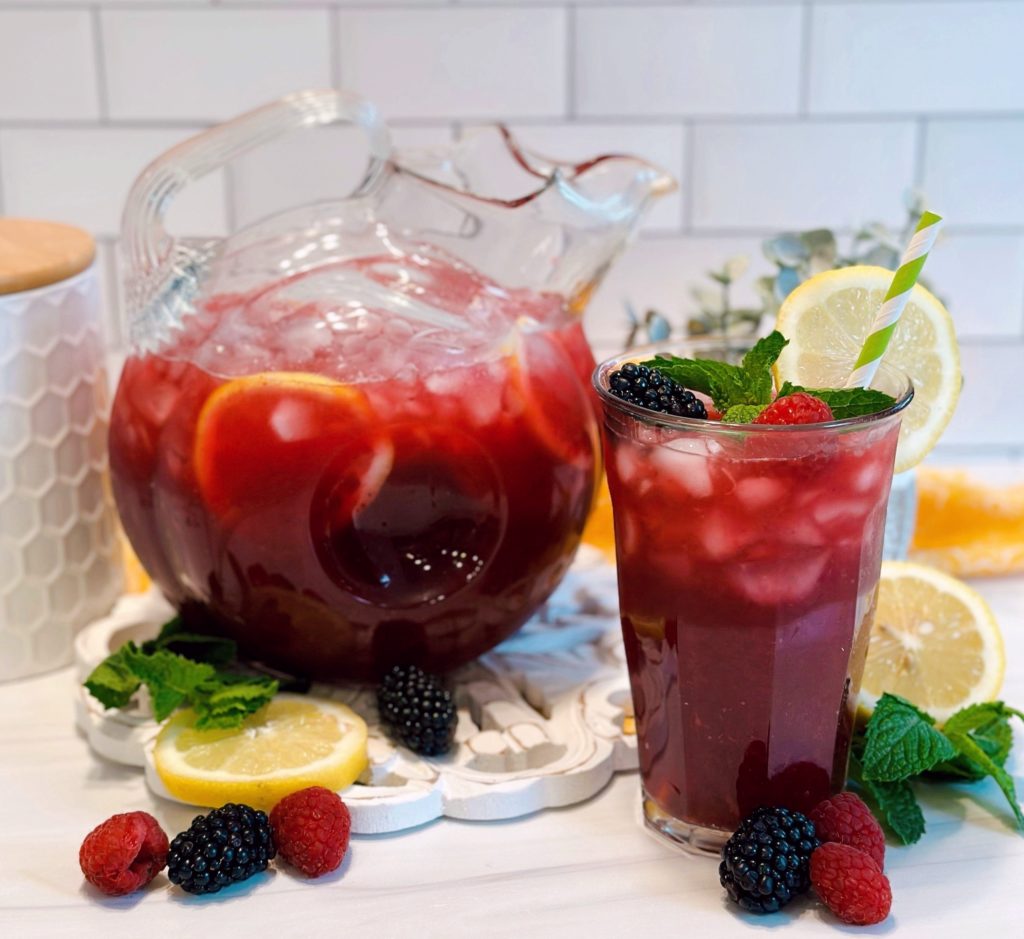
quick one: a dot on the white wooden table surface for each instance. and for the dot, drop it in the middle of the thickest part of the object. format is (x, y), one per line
(590, 870)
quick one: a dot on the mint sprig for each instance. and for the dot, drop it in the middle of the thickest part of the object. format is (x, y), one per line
(727, 385)
(221, 699)
(750, 383)
(902, 743)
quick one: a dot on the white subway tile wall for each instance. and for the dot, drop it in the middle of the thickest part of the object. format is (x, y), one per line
(772, 114)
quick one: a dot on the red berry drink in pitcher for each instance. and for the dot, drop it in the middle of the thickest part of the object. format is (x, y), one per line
(340, 488)
(748, 561)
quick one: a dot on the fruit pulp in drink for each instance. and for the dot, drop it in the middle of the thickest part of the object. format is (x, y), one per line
(748, 568)
(341, 484)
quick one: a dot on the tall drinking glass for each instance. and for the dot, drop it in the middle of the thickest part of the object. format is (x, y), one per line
(748, 562)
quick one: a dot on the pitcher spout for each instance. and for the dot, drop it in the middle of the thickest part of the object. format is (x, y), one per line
(527, 219)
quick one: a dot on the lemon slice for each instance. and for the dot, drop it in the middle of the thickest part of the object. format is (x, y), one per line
(262, 440)
(293, 742)
(826, 320)
(934, 642)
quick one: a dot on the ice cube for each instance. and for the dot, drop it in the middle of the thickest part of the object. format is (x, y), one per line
(758, 492)
(867, 477)
(781, 579)
(690, 471)
(627, 461)
(724, 536)
(797, 528)
(830, 511)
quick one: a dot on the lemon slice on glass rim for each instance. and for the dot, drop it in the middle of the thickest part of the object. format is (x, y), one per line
(826, 320)
(294, 741)
(934, 642)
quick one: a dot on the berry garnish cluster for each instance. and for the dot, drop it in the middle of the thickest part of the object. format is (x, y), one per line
(737, 394)
(309, 829)
(777, 854)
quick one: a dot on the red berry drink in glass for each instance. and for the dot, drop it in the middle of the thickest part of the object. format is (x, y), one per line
(748, 561)
(339, 488)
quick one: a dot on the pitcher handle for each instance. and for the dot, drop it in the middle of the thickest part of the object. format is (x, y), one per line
(147, 246)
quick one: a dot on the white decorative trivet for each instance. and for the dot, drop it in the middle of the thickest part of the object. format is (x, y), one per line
(545, 719)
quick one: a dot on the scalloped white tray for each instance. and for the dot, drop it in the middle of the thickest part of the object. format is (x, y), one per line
(545, 719)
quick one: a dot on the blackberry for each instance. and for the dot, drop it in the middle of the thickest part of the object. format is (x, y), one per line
(767, 860)
(652, 389)
(228, 845)
(417, 710)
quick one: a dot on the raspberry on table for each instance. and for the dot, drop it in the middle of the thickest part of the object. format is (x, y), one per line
(124, 853)
(797, 408)
(311, 830)
(650, 388)
(417, 710)
(765, 862)
(847, 820)
(850, 884)
(224, 847)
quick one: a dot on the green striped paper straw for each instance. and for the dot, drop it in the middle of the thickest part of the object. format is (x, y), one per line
(895, 300)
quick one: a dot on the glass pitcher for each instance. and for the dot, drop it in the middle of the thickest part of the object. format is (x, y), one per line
(359, 432)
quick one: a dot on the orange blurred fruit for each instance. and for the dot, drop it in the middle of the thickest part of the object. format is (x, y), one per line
(967, 527)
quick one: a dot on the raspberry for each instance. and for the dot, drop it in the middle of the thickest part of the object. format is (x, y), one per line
(311, 829)
(124, 853)
(798, 408)
(846, 819)
(850, 884)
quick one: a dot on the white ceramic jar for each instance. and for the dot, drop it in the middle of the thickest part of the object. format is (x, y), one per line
(60, 557)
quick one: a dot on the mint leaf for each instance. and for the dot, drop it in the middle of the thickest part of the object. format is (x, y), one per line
(899, 808)
(845, 402)
(854, 402)
(742, 413)
(199, 647)
(726, 384)
(170, 678)
(988, 724)
(901, 741)
(220, 699)
(758, 362)
(970, 749)
(113, 682)
(895, 802)
(226, 701)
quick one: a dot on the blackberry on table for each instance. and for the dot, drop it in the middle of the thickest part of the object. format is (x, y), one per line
(767, 860)
(227, 846)
(650, 388)
(417, 710)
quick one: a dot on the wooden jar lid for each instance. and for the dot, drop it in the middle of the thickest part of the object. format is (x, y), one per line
(37, 254)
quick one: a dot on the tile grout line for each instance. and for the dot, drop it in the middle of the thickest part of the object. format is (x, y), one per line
(570, 61)
(639, 120)
(334, 46)
(689, 149)
(920, 152)
(102, 94)
(806, 30)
